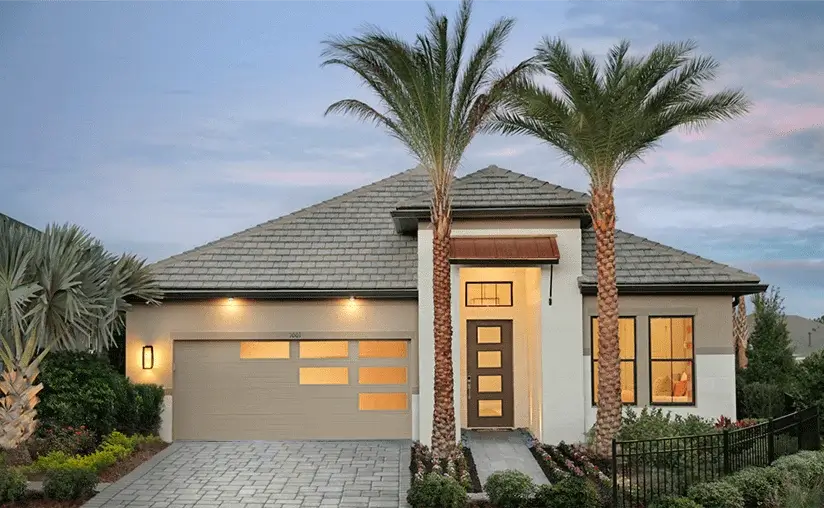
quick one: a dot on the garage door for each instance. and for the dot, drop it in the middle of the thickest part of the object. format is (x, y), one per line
(310, 389)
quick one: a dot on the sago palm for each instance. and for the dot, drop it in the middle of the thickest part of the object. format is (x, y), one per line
(602, 117)
(59, 289)
(434, 96)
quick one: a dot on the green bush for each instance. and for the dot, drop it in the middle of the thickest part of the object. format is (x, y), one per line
(12, 485)
(806, 468)
(797, 496)
(655, 423)
(149, 404)
(71, 440)
(570, 492)
(761, 486)
(807, 387)
(68, 483)
(509, 489)
(675, 502)
(760, 399)
(437, 491)
(716, 495)
(49, 461)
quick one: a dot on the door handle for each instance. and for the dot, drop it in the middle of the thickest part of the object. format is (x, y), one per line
(468, 387)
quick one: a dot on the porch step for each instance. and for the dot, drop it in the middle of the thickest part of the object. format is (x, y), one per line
(497, 450)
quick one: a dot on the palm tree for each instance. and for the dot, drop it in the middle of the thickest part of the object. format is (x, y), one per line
(59, 289)
(601, 118)
(740, 332)
(433, 98)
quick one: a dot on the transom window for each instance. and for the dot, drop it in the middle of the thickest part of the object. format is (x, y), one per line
(626, 349)
(672, 360)
(489, 294)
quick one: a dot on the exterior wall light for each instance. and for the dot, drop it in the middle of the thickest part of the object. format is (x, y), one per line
(148, 357)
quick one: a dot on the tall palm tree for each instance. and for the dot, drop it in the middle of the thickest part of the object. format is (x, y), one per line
(433, 95)
(601, 118)
(59, 289)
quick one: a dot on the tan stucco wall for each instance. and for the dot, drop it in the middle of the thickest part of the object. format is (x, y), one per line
(239, 319)
(712, 330)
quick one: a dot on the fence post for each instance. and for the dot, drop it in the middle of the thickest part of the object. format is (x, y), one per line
(817, 437)
(726, 452)
(614, 473)
(798, 430)
(770, 442)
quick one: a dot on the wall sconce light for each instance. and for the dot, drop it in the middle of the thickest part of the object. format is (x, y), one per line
(148, 357)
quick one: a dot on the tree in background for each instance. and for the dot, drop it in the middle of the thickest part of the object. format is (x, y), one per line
(740, 332)
(602, 116)
(770, 352)
(433, 94)
(820, 319)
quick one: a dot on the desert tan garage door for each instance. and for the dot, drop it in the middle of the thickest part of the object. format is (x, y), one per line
(310, 389)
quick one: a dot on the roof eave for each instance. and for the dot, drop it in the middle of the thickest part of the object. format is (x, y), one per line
(702, 288)
(406, 218)
(287, 294)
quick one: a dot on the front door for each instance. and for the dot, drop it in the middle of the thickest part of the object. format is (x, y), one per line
(489, 373)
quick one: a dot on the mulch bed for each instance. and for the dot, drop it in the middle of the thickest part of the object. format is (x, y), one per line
(124, 467)
(36, 500)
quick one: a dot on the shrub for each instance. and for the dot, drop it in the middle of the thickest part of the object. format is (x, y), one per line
(70, 440)
(437, 491)
(68, 483)
(509, 489)
(716, 495)
(804, 468)
(149, 404)
(760, 486)
(807, 387)
(675, 502)
(571, 492)
(49, 461)
(801, 497)
(81, 389)
(12, 485)
(655, 423)
(760, 399)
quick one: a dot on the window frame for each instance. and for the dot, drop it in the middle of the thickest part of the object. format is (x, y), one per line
(482, 282)
(672, 360)
(593, 361)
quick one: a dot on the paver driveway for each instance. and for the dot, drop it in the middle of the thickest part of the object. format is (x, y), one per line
(257, 474)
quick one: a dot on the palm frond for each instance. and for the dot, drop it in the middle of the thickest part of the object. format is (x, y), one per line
(603, 116)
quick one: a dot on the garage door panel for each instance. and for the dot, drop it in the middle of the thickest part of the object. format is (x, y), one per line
(217, 395)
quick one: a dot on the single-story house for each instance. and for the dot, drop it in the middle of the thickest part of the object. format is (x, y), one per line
(318, 324)
(807, 335)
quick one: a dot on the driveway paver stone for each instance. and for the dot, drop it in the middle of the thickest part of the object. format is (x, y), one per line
(263, 474)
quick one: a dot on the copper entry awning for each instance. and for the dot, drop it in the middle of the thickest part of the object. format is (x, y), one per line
(504, 249)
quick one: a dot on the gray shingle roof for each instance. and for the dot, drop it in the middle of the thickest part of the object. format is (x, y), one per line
(349, 242)
(495, 187)
(642, 261)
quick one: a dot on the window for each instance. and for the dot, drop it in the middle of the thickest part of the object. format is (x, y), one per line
(382, 401)
(626, 351)
(256, 350)
(382, 349)
(382, 375)
(324, 349)
(672, 360)
(324, 376)
(489, 294)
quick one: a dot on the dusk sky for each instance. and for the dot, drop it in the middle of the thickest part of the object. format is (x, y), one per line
(162, 126)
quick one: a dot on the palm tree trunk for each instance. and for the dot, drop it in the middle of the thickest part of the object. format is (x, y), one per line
(443, 418)
(608, 420)
(740, 332)
(17, 407)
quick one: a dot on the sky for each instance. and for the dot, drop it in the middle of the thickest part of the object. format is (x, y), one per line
(161, 126)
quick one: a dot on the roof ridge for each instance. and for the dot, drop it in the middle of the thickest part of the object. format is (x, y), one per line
(695, 257)
(285, 218)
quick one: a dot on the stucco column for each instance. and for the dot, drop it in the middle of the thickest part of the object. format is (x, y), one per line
(426, 337)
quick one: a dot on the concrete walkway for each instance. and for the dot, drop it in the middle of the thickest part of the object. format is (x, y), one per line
(257, 474)
(497, 450)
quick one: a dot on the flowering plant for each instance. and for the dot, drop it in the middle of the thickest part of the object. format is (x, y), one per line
(69, 440)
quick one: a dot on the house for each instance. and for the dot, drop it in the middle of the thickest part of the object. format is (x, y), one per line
(318, 324)
(807, 335)
(11, 220)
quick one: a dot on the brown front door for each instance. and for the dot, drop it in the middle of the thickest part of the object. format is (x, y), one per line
(489, 374)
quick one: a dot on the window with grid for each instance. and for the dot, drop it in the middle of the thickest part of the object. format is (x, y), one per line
(489, 294)
(626, 341)
(672, 360)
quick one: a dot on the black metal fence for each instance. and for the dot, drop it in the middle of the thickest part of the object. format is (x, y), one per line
(643, 471)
